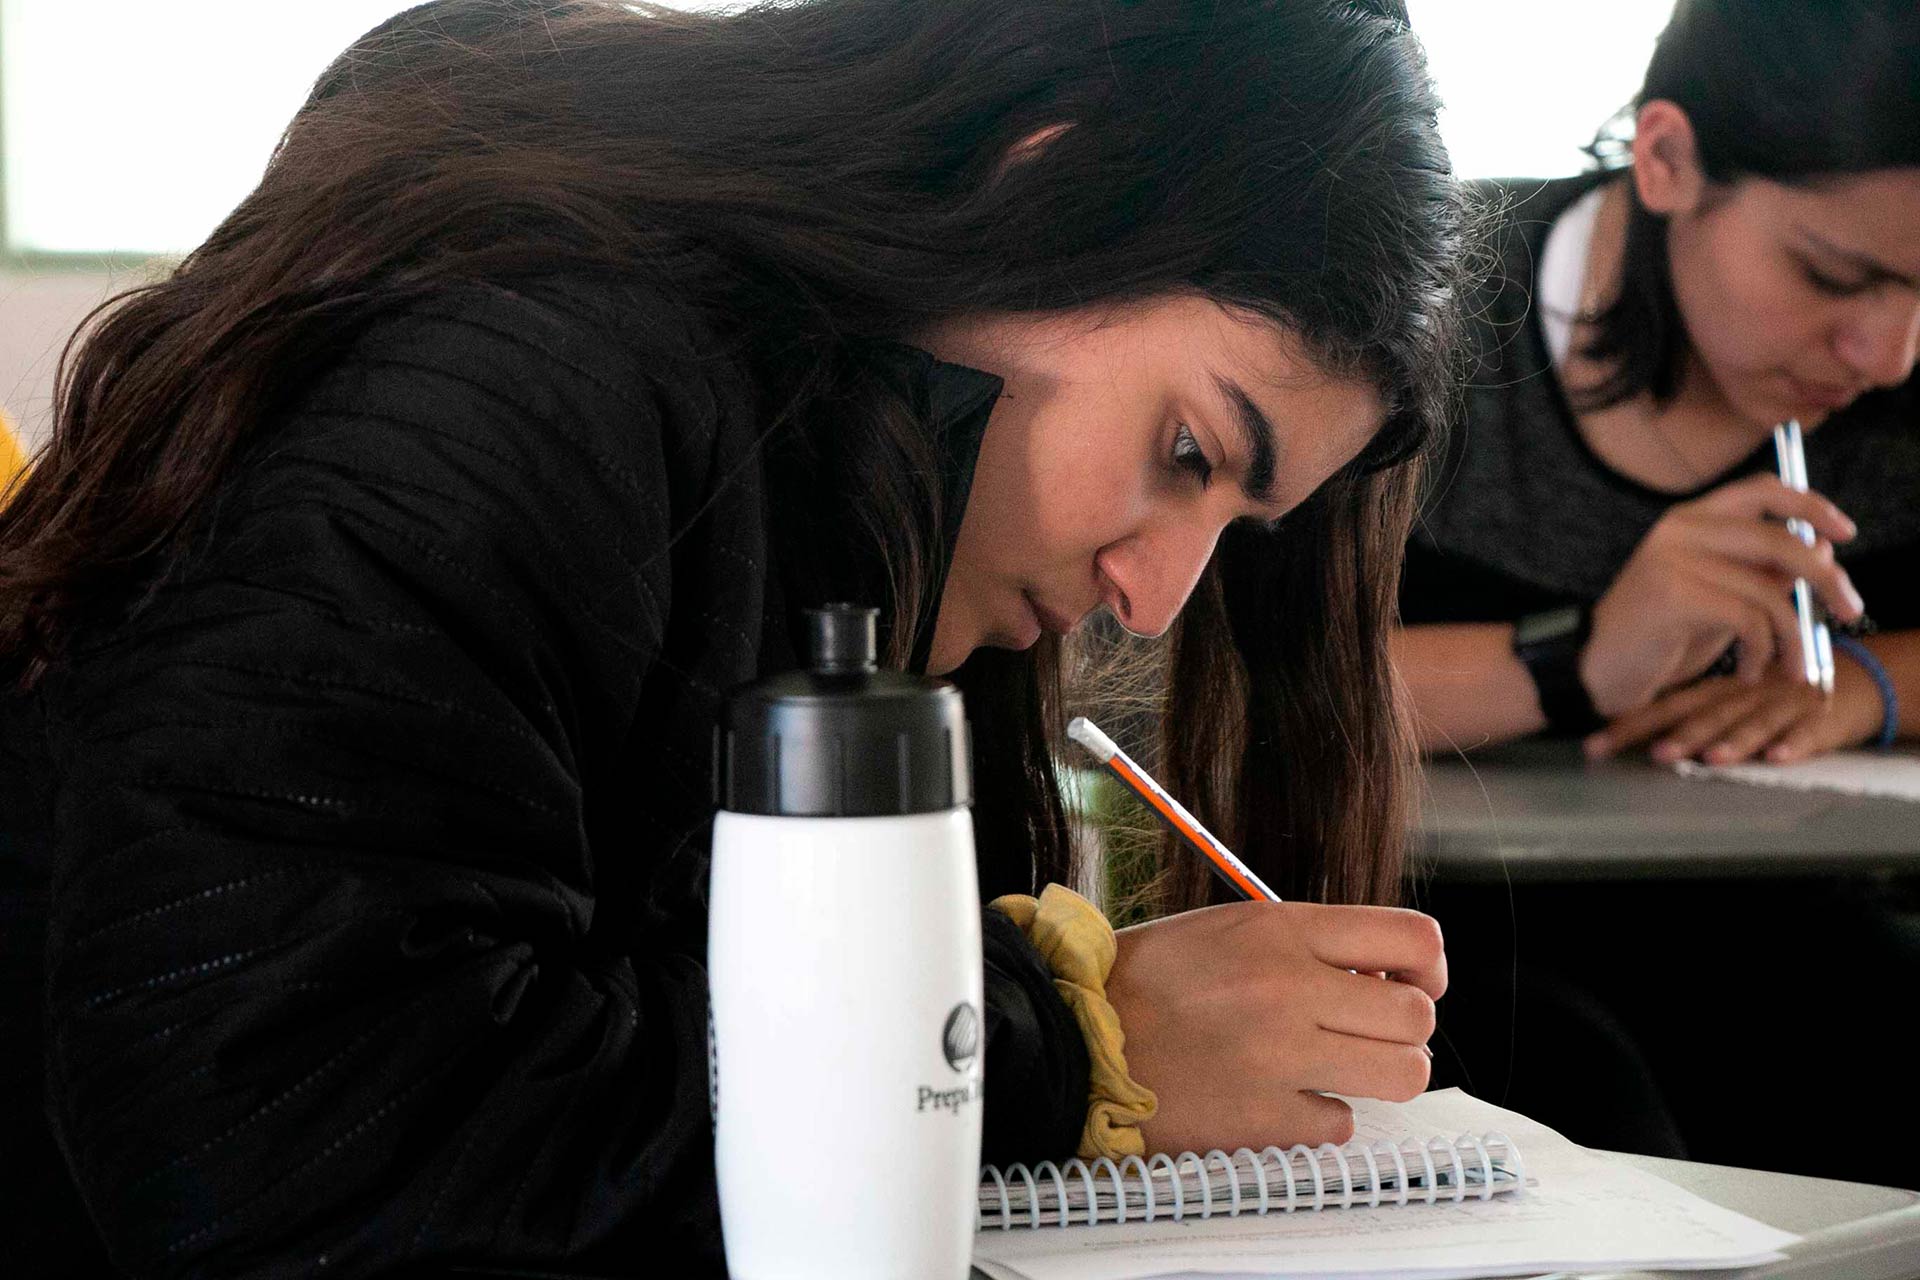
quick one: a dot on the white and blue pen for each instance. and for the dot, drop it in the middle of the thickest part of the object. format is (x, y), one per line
(1816, 643)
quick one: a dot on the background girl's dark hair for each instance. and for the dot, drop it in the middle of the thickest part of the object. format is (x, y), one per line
(809, 175)
(1786, 90)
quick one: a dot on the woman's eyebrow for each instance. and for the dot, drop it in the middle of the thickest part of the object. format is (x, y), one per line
(1257, 482)
(1873, 269)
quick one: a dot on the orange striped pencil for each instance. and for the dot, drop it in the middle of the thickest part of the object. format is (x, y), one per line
(1170, 811)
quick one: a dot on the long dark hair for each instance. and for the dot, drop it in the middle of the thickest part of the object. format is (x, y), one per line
(1777, 89)
(811, 175)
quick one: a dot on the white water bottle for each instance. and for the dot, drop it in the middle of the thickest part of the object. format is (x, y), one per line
(845, 961)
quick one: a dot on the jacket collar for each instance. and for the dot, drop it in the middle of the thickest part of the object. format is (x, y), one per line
(954, 401)
(822, 552)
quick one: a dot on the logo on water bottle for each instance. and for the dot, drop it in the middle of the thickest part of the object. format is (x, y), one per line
(961, 1039)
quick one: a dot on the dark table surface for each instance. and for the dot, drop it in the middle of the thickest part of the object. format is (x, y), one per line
(1539, 811)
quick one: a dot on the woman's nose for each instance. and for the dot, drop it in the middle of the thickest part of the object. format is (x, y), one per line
(1881, 347)
(1149, 575)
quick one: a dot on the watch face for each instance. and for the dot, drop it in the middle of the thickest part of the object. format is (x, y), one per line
(1540, 628)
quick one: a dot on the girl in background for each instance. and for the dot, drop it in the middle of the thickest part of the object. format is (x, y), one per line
(1599, 536)
(1608, 524)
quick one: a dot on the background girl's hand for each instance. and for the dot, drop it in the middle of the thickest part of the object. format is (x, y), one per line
(1725, 721)
(1237, 1015)
(1710, 572)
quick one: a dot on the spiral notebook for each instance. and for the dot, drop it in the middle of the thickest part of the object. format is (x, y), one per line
(1299, 1179)
(1478, 1212)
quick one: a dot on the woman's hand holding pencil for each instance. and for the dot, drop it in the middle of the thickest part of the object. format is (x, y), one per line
(1240, 1016)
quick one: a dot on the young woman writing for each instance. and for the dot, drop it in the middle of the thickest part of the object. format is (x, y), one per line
(1607, 525)
(372, 605)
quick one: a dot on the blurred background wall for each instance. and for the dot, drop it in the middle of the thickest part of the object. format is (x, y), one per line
(128, 128)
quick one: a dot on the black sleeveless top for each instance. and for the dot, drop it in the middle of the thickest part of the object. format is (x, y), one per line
(1521, 514)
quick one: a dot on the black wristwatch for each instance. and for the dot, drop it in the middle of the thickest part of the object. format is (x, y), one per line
(1549, 643)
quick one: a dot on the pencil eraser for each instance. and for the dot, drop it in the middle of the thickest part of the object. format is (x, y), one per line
(1087, 734)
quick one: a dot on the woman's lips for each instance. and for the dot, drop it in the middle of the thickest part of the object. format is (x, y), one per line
(1039, 620)
(1048, 619)
(1029, 628)
(1821, 395)
(1041, 615)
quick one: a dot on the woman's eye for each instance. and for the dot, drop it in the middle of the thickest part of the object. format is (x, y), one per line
(1833, 288)
(1189, 457)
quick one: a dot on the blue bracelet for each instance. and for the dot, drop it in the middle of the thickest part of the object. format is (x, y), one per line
(1889, 699)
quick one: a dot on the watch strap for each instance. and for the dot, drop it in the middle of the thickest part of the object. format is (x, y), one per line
(1549, 645)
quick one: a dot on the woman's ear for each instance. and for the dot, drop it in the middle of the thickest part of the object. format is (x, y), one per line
(1666, 161)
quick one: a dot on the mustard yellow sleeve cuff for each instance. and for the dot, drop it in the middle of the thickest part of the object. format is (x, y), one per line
(1077, 943)
(13, 458)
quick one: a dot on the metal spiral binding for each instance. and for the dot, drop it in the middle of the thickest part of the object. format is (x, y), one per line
(1224, 1181)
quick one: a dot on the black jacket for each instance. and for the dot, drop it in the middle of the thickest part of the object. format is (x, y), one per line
(377, 838)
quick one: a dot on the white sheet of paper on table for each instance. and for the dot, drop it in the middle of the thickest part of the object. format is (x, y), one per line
(1893, 775)
(1580, 1211)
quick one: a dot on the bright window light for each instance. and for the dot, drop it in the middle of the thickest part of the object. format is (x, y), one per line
(1527, 82)
(134, 126)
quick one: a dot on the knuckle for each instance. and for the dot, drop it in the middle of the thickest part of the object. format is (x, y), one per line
(1293, 915)
(1409, 1077)
(1424, 936)
(1337, 1126)
(1422, 1074)
(1419, 1011)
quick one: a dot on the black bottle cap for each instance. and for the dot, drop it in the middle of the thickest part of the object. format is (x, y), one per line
(843, 738)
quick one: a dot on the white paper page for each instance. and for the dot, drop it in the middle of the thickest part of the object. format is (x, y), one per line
(1892, 775)
(1580, 1211)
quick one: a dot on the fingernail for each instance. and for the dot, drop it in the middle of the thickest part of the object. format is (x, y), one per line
(1666, 752)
